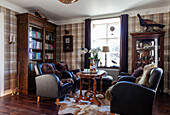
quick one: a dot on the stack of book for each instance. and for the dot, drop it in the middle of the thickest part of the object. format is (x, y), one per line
(35, 55)
(48, 46)
(35, 44)
(49, 56)
(50, 37)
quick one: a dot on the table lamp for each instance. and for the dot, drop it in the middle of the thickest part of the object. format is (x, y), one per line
(105, 49)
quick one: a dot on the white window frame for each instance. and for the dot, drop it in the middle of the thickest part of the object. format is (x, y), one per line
(107, 35)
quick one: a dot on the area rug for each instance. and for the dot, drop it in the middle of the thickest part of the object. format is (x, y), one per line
(83, 107)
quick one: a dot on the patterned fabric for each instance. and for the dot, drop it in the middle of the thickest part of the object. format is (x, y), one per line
(134, 26)
(10, 29)
(73, 59)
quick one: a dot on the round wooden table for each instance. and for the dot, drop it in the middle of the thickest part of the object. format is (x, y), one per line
(90, 76)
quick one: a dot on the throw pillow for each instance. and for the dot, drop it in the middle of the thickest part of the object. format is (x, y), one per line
(137, 72)
(146, 74)
(61, 66)
(47, 69)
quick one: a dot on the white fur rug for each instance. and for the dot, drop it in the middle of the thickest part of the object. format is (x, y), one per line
(83, 107)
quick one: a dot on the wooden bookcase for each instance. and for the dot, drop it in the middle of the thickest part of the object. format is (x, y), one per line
(148, 48)
(36, 43)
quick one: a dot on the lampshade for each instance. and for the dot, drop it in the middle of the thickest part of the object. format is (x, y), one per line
(105, 49)
(68, 1)
(82, 50)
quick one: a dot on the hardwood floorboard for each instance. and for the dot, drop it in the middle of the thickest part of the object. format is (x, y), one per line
(27, 105)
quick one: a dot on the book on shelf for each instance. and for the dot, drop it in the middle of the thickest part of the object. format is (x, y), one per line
(31, 65)
(49, 46)
(35, 44)
(35, 55)
(34, 33)
(49, 56)
(50, 37)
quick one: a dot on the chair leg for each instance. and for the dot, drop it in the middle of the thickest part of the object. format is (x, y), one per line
(112, 114)
(57, 100)
(38, 99)
(70, 93)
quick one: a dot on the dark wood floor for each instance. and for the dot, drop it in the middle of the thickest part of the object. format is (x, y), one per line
(27, 105)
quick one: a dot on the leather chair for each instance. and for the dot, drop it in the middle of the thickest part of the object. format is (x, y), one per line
(129, 98)
(48, 85)
(63, 66)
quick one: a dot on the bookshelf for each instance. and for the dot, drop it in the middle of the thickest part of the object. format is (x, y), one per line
(36, 43)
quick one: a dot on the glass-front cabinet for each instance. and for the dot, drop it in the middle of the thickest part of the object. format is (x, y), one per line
(147, 48)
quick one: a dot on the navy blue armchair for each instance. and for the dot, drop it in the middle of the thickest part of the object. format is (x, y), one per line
(129, 98)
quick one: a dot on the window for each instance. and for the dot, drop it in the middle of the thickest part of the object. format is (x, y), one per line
(106, 32)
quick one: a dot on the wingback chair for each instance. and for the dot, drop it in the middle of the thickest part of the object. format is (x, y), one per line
(129, 98)
(49, 85)
(63, 66)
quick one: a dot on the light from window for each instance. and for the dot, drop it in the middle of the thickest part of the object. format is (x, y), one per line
(106, 32)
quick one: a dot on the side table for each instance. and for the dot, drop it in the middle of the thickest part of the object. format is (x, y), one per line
(90, 76)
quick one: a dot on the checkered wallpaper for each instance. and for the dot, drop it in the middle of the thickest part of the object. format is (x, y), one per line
(134, 26)
(10, 28)
(73, 59)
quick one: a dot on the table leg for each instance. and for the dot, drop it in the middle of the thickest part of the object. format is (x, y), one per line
(88, 88)
(101, 91)
(94, 91)
(80, 97)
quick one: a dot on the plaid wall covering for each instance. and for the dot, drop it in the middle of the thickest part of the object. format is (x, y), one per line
(134, 26)
(10, 28)
(73, 59)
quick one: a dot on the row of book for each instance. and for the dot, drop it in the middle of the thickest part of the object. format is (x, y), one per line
(49, 37)
(31, 66)
(35, 55)
(35, 44)
(48, 46)
(35, 34)
(49, 56)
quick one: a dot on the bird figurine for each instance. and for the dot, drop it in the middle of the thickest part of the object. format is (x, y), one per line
(37, 13)
(149, 24)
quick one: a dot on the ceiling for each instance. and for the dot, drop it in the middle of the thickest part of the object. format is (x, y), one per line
(56, 10)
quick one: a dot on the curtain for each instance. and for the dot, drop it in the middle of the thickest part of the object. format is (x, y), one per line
(124, 43)
(87, 41)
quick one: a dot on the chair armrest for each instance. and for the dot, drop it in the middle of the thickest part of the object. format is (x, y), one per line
(75, 71)
(66, 75)
(127, 78)
(131, 98)
(47, 85)
(124, 73)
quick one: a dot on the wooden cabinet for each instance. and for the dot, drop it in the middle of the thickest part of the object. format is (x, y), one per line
(148, 48)
(36, 43)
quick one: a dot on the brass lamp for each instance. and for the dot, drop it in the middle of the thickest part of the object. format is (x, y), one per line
(68, 1)
(105, 49)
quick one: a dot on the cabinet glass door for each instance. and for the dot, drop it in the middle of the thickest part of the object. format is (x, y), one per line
(147, 52)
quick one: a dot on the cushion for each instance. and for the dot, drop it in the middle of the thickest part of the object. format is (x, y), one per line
(47, 69)
(61, 66)
(137, 72)
(146, 74)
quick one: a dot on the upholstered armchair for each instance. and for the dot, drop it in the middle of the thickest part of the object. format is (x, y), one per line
(49, 85)
(63, 66)
(129, 98)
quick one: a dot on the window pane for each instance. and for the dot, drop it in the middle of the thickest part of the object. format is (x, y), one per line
(99, 31)
(114, 54)
(116, 32)
(98, 43)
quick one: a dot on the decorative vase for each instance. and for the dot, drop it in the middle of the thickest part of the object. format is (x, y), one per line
(96, 61)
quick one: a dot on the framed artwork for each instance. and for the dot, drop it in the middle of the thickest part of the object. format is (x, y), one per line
(68, 43)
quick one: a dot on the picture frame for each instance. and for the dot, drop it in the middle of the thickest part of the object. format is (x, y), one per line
(68, 43)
